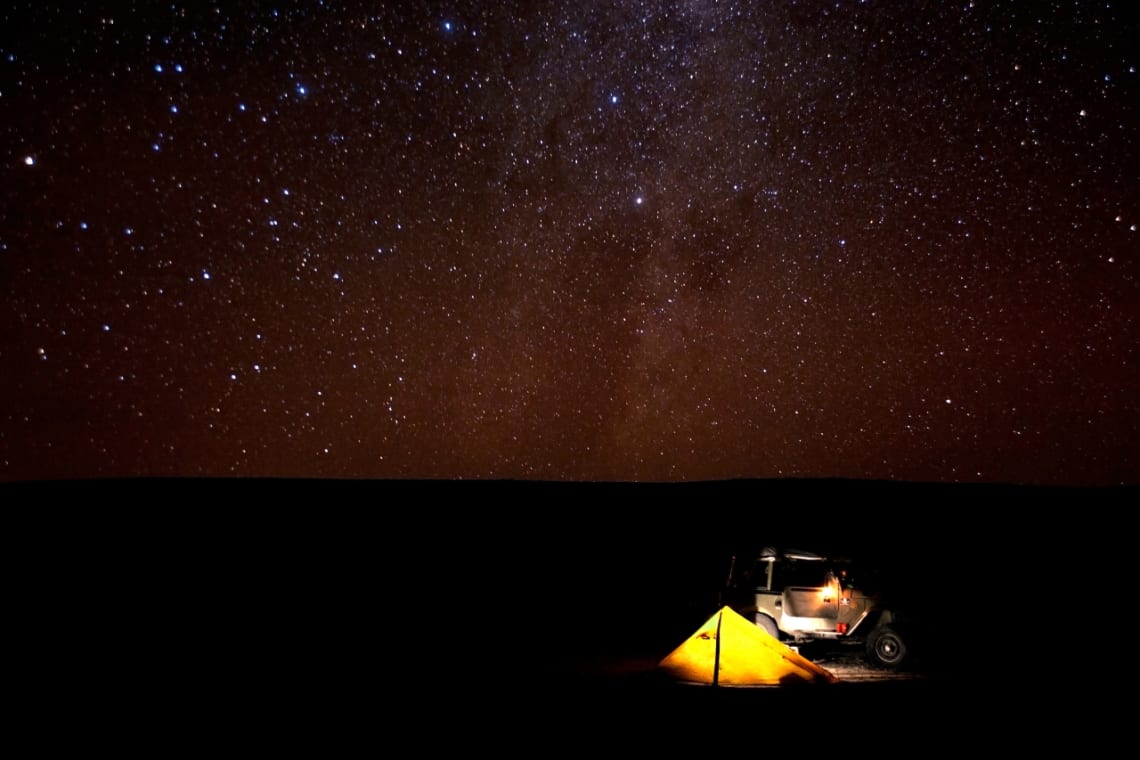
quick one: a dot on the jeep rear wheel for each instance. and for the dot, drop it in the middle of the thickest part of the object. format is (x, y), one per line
(886, 648)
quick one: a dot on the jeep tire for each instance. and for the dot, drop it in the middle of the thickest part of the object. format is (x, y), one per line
(768, 625)
(886, 648)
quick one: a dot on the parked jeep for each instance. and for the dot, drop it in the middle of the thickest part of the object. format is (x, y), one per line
(803, 598)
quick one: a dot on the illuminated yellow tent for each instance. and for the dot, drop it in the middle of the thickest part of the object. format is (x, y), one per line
(729, 650)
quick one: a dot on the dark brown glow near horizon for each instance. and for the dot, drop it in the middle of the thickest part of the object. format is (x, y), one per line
(571, 241)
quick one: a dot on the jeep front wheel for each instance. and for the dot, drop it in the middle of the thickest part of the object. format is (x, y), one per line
(886, 648)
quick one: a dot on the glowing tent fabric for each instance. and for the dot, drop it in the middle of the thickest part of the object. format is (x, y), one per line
(729, 650)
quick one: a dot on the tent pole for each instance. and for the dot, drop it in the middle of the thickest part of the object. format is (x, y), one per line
(716, 657)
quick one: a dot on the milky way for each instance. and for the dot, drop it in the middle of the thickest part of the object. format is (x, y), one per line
(571, 241)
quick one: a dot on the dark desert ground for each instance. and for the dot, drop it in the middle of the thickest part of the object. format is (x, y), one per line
(295, 611)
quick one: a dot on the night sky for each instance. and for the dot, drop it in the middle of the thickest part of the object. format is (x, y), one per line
(648, 241)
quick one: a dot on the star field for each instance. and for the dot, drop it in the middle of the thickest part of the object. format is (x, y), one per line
(651, 241)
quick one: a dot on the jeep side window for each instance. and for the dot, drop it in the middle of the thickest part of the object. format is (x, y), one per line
(760, 577)
(811, 574)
